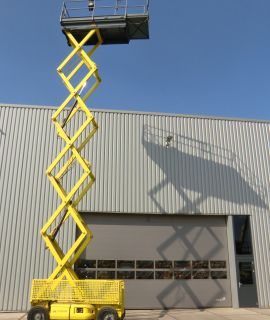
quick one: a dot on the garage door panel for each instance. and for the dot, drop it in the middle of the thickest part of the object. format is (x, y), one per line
(181, 294)
(158, 253)
(156, 238)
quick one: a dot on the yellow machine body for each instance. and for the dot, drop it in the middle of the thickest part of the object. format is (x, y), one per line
(59, 311)
(81, 301)
(80, 312)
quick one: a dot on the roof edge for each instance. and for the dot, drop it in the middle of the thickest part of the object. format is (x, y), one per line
(162, 114)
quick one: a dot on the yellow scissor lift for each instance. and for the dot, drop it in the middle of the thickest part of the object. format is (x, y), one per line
(63, 295)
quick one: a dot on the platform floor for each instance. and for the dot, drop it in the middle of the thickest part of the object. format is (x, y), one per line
(180, 314)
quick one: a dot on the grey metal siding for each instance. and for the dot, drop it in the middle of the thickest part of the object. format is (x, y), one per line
(213, 166)
(27, 146)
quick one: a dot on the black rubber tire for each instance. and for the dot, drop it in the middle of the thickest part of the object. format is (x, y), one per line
(107, 313)
(38, 313)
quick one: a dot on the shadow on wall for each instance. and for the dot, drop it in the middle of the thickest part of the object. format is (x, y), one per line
(206, 175)
(183, 288)
(198, 171)
(185, 292)
(181, 234)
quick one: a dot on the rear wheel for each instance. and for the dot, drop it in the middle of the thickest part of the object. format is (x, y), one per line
(38, 313)
(107, 313)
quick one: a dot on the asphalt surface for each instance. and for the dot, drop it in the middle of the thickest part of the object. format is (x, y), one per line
(180, 314)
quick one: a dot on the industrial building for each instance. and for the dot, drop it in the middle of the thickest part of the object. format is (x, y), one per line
(179, 209)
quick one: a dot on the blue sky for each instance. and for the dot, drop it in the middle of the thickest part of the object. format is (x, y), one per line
(204, 57)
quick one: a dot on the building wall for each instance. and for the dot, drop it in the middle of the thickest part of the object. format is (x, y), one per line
(27, 146)
(211, 166)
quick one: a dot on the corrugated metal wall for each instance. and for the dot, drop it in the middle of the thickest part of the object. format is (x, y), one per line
(27, 146)
(211, 166)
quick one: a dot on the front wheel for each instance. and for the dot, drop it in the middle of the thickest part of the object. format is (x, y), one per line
(38, 313)
(107, 313)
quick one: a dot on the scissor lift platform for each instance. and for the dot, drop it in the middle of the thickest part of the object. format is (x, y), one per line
(118, 21)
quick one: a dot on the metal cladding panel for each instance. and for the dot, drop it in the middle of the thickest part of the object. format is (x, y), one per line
(210, 166)
(27, 144)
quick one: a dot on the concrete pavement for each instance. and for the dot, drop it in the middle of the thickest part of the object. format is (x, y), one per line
(203, 314)
(180, 314)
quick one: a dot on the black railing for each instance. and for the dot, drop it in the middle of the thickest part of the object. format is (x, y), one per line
(103, 8)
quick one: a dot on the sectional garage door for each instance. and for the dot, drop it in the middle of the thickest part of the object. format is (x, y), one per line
(167, 261)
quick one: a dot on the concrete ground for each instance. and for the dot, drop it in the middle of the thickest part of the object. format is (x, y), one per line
(180, 314)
